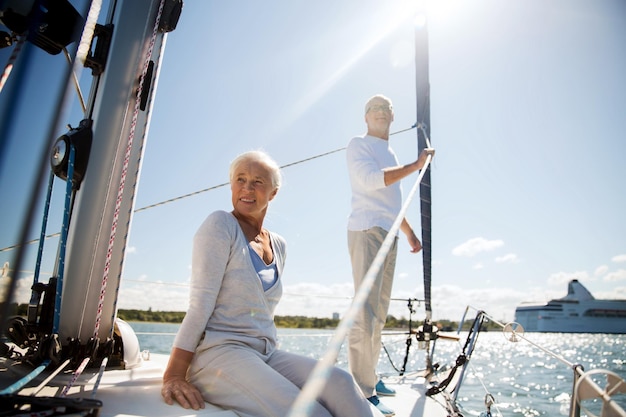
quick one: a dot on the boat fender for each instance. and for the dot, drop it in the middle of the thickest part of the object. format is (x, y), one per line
(130, 344)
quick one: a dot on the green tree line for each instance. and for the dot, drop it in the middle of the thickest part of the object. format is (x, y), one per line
(294, 322)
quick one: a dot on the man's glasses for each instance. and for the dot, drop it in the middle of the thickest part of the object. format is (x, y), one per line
(380, 108)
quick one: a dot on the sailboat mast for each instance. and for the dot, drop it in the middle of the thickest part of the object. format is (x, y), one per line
(103, 210)
(422, 87)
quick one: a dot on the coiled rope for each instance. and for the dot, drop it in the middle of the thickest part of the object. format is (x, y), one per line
(319, 375)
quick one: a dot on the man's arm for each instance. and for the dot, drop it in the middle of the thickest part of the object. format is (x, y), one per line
(413, 240)
(395, 174)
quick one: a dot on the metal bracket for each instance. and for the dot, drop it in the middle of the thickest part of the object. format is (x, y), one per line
(97, 60)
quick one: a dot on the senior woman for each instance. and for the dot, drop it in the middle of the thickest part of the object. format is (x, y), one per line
(225, 351)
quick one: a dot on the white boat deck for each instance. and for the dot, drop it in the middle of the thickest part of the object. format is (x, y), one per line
(137, 392)
(410, 399)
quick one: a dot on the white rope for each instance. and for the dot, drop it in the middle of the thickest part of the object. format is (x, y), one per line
(79, 92)
(75, 376)
(10, 63)
(103, 366)
(50, 378)
(314, 385)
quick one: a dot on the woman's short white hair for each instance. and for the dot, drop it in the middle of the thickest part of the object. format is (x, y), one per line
(262, 158)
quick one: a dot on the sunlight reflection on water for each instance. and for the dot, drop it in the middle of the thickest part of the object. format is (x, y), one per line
(524, 380)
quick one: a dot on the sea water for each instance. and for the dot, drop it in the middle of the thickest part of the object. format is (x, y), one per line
(524, 379)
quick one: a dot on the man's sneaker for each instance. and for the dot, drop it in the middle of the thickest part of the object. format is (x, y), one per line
(383, 390)
(388, 412)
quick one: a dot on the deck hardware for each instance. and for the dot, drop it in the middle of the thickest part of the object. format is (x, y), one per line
(97, 59)
(80, 138)
(50, 25)
(170, 16)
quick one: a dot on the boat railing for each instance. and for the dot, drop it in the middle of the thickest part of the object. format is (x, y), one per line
(586, 394)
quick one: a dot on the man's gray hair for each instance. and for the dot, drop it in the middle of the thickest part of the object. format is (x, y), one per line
(379, 97)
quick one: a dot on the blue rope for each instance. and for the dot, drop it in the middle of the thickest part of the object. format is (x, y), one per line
(21, 383)
(63, 242)
(18, 385)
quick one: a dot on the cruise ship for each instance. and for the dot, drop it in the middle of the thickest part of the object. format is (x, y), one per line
(578, 312)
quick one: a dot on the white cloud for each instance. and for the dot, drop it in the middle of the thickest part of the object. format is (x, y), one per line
(508, 258)
(22, 289)
(153, 295)
(448, 301)
(617, 293)
(475, 246)
(619, 275)
(316, 300)
(559, 279)
(619, 258)
(402, 276)
(478, 266)
(601, 270)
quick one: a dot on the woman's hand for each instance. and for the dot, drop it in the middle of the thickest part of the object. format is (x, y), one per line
(177, 388)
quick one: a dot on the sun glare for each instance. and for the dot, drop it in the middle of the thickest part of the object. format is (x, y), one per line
(403, 13)
(422, 9)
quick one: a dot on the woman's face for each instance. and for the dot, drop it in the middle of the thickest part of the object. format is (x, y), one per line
(252, 188)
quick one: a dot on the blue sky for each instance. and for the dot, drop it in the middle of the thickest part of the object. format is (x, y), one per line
(527, 118)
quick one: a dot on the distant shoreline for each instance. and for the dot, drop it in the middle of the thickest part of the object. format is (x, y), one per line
(289, 322)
